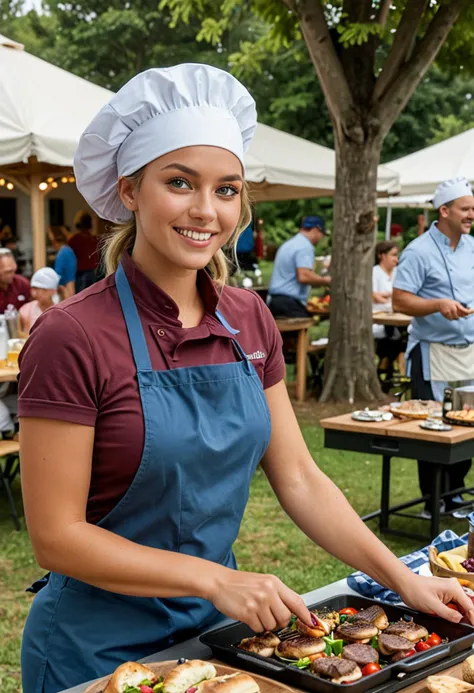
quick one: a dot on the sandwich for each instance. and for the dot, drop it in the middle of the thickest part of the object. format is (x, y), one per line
(185, 678)
(230, 683)
(133, 677)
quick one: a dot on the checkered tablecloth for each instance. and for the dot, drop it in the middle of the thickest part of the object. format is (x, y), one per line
(360, 582)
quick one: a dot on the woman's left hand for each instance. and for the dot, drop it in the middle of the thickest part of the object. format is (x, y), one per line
(431, 594)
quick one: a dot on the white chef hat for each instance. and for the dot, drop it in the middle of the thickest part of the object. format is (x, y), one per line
(45, 278)
(450, 190)
(157, 112)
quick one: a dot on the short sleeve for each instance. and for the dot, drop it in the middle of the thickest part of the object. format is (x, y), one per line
(58, 378)
(304, 257)
(411, 272)
(274, 369)
(65, 266)
(376, 280)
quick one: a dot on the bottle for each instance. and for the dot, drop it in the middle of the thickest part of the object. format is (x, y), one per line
(3, 341)
(447, 401)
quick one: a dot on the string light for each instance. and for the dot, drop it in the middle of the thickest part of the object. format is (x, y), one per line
(2, 181)
(43, 186)
(54, 184)
(50, 180)
(64, 179)
(10, 186)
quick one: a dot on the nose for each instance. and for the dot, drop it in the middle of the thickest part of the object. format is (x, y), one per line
(203, 207)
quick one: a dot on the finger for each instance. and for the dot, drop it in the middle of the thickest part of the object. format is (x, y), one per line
(281, 614)
(254, 623)
(267, 619)
(459, 596)
(296, 605)
(445, 612)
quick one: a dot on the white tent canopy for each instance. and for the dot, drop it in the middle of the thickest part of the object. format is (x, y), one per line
(44, 109)
(422, 171)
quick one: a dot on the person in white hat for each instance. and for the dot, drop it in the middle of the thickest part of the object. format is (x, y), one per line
(148, 400)
(44, 291)
(435, 284)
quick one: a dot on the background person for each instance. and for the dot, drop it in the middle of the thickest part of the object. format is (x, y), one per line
(293, 272)
(85, 247)
(65, 262)
(435, 284)
(14, 289)
(388, 340)
(44, 290)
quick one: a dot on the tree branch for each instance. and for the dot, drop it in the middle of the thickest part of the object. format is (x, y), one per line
(402, 45)
(325, 60)
(357, 10)
(411, 73)
(383, 12)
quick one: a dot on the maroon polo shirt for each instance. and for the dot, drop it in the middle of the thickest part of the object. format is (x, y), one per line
(85, 246)
(77, 365)
(17, 293)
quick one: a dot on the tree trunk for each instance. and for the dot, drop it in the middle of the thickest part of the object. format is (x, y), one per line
(350, 369)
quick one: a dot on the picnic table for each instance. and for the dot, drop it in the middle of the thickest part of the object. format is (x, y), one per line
(301, 327)
(402, 438)
(9, 375)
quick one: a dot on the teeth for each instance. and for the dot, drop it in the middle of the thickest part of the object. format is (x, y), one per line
(195, 235)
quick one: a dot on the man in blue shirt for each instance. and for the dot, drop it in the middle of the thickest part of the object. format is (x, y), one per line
(293, 273)
(435, 284)
(65, 263)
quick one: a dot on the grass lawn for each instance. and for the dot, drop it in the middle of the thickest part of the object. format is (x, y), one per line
(268, 541)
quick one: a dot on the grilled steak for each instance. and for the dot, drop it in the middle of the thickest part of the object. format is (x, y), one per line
(338, 670)
(391, 644)
(360, 654)
(409, 630)
(360, 632)
(263, 645)
(374, 614)
(300, 646)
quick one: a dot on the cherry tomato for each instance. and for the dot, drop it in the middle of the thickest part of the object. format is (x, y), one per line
(316, 656)
(433, 640)
(405, 654)
(422, 646)
(452, 606)
(371, 668)
(348, 611)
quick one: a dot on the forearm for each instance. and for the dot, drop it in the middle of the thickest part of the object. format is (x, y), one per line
(410, 304)
(106, 560)
(314, 279)
(322, 512)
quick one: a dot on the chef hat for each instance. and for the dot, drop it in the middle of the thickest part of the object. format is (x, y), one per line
(450, 190)
(45, 278)
(157, 112)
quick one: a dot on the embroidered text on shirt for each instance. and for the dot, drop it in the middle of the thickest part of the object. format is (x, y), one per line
(256, 355)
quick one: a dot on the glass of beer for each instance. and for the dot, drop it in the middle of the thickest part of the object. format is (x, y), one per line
(14, 348)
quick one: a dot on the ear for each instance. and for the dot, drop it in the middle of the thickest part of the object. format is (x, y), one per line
(444, 211)
(127, 194)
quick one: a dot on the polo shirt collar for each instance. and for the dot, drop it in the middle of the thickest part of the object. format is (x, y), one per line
(306, 239)
(441, 238)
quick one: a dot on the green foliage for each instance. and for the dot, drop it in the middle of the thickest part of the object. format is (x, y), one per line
(449, 126)
(356, 34)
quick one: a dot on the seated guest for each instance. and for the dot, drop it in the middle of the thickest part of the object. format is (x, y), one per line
(293, 273)
(14, 289)
(44, 288)
(388, 340)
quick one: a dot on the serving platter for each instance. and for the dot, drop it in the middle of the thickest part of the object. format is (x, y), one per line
(162, 668)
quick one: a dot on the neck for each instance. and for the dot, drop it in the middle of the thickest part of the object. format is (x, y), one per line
(454, 236)
(179, 283)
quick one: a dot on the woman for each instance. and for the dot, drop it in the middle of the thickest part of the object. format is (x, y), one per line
(142, 418)
(44, 291)
(389, 344)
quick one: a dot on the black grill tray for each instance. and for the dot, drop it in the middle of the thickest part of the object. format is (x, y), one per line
(392, 677)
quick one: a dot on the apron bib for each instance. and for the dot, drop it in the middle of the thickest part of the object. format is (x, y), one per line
(206, 429)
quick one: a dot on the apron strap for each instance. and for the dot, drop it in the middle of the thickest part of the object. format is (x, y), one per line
(233, 332)
(133, 322)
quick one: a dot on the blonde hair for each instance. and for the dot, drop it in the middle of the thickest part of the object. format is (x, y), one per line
(122, 236)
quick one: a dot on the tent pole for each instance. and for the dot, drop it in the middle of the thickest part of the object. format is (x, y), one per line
(37, 223)
(427, 217)
(388, 223)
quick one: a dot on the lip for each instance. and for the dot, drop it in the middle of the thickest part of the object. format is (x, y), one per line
(191, 241)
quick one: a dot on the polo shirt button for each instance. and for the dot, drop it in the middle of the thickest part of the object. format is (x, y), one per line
(161, 333)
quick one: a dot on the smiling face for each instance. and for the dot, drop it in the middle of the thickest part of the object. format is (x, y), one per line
(459, 215)
(187, 205)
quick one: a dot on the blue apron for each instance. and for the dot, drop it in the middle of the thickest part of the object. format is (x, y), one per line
(206, 429)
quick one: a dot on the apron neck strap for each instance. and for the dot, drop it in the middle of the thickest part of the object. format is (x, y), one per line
(133, 322)
(233, 332)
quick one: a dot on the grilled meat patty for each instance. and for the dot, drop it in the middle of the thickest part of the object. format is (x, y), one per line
(409, 630)
(263, 645)
(300, 646)
(360, 632)
(338, 670)
(360, 654)
(391, 644)
(374, 614)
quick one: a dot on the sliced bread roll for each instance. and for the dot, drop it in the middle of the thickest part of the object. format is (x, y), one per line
(187, 675)
(232, 683)
(447, 684)
(128, 674)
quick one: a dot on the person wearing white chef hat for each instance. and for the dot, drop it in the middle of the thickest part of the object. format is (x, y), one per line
(44, 291)
(148, 400)
(434, 283)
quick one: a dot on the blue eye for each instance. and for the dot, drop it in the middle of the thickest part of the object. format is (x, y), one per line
(229, 191)
(179, 183)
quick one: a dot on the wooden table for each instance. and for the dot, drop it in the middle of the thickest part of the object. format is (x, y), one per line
(301, 326)
(9, 375)
(391, 319)
(402, 438)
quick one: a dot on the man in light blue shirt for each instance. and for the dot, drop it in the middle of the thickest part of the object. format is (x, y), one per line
(293, 273)
(435, 284)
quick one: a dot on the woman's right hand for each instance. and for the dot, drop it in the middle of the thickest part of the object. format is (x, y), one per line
(263, 602)
(381, 297)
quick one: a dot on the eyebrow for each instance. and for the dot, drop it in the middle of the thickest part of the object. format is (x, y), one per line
(192, 172)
